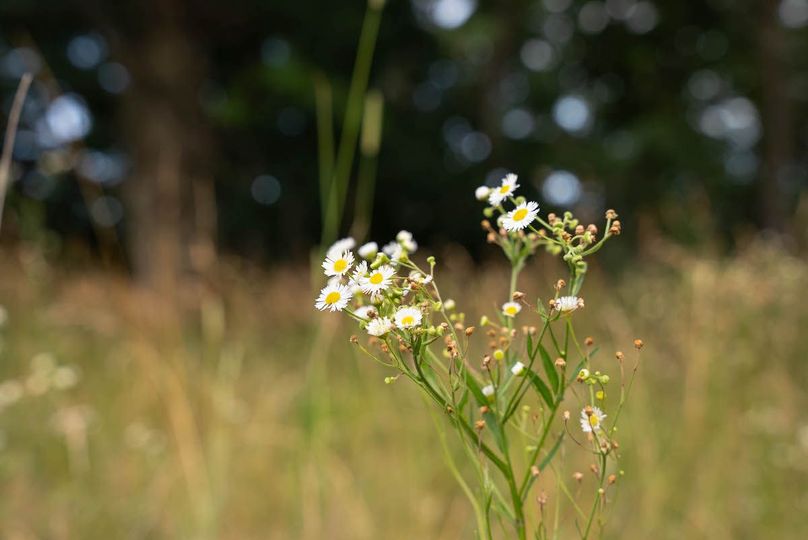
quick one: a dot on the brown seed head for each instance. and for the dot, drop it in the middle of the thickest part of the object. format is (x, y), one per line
(566, 415)
(486, 225)
(579, 230)
(592, 229)
(479, 425)
(353, 339)
(484, 409)
(491, 237)
(589, 341)
(638, 344)
(560, 362)
(588, 410)
(534, 470)
(469, 330)
(578, 476)
(517, 295)
(560, 284)
(619, 355)
(612, 479)
(611, 214)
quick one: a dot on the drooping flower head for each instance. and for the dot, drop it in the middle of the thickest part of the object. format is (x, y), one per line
(379, 326)
(521, 216)
(340, 246)
(505, 190)
(333, 297)
(366, 312)
(592, 422)
(518, 368)
(377, 280)
(568, 304)
(510, 309)
(408, 317)
(338, 265)
(482, 193)
(368, 251)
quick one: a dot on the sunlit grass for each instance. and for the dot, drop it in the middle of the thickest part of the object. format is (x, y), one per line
(215, 423)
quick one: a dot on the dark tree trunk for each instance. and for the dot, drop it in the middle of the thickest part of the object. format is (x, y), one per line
(778, 142)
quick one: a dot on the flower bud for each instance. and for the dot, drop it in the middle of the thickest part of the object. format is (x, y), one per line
(582, 375)
(499, 355)
(481, 193)
(638, 344)
(449, 304)
(488, 212)
(484, 321)
(469, 330)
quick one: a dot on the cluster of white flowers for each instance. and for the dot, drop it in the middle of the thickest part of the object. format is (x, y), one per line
(517, 219)
(371, 290)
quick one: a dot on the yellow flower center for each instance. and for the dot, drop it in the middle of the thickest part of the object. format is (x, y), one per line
(333, 297)
(340, 265)
(510, 310)
(376, 278)
(520, 214)
(407, 320)
(505, 189)
(594, 420)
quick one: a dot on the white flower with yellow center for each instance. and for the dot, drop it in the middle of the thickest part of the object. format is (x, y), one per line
(510, 309)
(568, 304)
(379, 326)
(482, 193)
(340, 246)
(408, 317)
(338, 265)
(521, 216)
(377, 280)
(368, 251)
(592, 422)
(518, 368)
(505, 190)
(333, 297)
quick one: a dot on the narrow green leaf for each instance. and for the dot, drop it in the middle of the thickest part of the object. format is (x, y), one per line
(549, 368)
(541, 387)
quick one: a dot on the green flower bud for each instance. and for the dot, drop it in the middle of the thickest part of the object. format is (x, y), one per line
(499, 354)
(488, 212)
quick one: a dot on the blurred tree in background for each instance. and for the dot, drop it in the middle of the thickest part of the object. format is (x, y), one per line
(172, 130)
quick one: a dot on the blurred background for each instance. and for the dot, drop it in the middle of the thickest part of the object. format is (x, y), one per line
(179, 165)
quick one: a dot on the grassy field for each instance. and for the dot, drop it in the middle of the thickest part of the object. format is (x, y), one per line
(248, 415)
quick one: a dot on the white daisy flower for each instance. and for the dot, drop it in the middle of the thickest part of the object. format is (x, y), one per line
(368, 251)
(590, 423)
(379, 326)
(333, 297)
(377, 280)
(482, 193)
(568, 304)
(365, 312)
(521, 216)
(488, 391)
(518, 368)
(510, 309)
(338, 247)
(504, 191)
(359, 272)
(408, 317)
(339, 264)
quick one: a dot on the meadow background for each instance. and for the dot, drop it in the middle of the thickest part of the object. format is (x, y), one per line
(180, 163)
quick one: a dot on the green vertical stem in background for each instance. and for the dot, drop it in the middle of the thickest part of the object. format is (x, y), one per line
(369, 147)
(325, 136)
(338, 190)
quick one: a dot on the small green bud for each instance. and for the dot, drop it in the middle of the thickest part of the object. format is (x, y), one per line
(389, 380)
(449, 304)
(484, 320)
(488, 212)
(520, 200)
(431, 260)
(604, 379)
(453, 317)
(499, 355)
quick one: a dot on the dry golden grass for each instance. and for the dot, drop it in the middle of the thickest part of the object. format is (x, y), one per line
(249, 416)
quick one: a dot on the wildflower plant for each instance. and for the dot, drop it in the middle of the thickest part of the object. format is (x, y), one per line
(510, 407)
